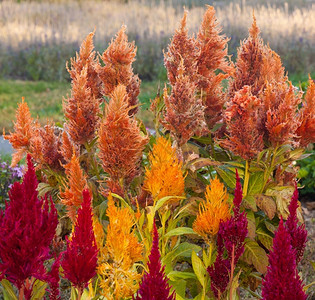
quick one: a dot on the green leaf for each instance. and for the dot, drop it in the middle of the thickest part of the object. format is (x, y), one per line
(180, 288)
(264, 237)
(8, 290)
(39, 289)
(255, 255)
(272, 228)
(227, 176)
(235, 285)
(43, 189)
(267, 205)
(175, 275)
(199, 163)
(249, 202)
(251, 224)
(256, 183)
(180, 231)
(162, 201)
(199, 268)
(313, 265)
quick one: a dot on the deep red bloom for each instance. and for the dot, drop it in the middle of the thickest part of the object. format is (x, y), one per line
(53, 280)
(154, 284)
(27, 229)
(80, 259)
(282, 280)
(298, 233)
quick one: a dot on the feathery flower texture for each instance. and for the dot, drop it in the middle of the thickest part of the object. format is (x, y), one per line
(118, 275)
(164, 177)
(282, 280)
(80, 259)
(154, 284)
(214, 211)
(23, 246)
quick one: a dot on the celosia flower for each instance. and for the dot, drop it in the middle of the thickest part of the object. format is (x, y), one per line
(117, 70)
(298, 233)
(282, 280)
(306, 129)
(28, 226)
(98, 233)
(244, 137)
(118, 275)
(154, 285)
(164, 177)
(81, 109)
(213, 211)
(280, 110)
(80, 259)
(231, 236)
(120, 140)
(23, 127)
(212, 57)
(87, 59)
(53, 280)
(182, 50)
(184, 111)
(72, 196)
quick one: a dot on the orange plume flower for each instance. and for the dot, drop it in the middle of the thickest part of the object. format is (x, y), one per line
(24, 129)
(117, 70)
(280, 111)
(212, 57)
(184, 115)
(72, 195)
(87, 59)
(306, 130)
(213, 211)
(120, 140)
(81, 110)
(119, 276)
(164, 177)
(244, 137)
(182, 49)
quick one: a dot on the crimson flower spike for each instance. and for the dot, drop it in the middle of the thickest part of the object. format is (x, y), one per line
(298, 233)
(282, 280)
(24, 248)
(80, 259)
(154, 284)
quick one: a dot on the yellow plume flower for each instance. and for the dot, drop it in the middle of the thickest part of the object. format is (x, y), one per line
(119, 276)
(214, 210)
(164, 177)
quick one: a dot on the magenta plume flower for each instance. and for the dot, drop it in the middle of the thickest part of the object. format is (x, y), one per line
(154, 284)
(282, 280)
(80, 259)
(298, 233)
(231, 236)
(28, 226)
(53, 280)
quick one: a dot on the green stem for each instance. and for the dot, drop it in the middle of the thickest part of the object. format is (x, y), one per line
(212, 147)
(270, 167)
(246, 178)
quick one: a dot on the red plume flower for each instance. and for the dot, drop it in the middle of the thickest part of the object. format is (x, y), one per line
(154, 284)
(53, 280)
(298, 233)
(27, 229)
(282, 280)
(80, 259)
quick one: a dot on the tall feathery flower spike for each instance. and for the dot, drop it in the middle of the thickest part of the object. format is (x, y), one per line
(242, 118)
(213, 211)
(24, 129)
(117, 70)
(118, 275)
(120, 131)
(154, 285)
(72, 195)
(24, 248)
(81, 109)
(79, 261)
(53, 280)
(282, 280)
(298, 233)
(164, 176)
(212, 57)
(306, 130)
(86, 58)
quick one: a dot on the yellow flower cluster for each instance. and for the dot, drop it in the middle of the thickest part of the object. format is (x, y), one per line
(164, 177)
(214, 210)
(119, 276)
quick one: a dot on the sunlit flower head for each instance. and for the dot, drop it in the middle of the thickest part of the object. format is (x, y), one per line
(214, 210)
